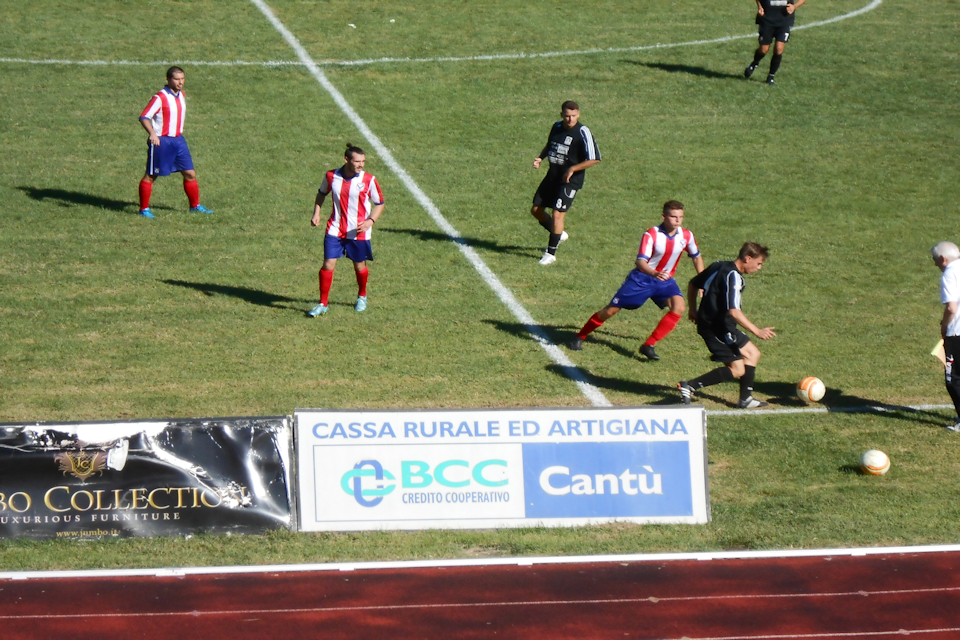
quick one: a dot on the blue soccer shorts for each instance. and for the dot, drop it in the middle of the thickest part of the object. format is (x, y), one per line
(639, 287)
(357, 250)
(170, 156)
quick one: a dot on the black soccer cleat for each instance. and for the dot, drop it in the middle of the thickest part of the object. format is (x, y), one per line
(648, 351)
(686, 391)
(751, 403)
(749, 70)
(770, 79)
(576, 344)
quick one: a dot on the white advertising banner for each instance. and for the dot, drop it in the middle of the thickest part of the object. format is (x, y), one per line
(362, 470)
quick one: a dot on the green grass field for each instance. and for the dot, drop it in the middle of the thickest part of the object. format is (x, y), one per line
(847, 170)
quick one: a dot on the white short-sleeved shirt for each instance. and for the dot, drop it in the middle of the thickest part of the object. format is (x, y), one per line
(950, 292)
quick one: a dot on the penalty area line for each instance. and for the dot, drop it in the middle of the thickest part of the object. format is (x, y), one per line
(592, 393)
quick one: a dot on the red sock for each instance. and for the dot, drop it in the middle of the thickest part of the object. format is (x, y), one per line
(362, 282)
(592, 325)
(192, 189)
(326, 279)
(664, 327)
(146, 188)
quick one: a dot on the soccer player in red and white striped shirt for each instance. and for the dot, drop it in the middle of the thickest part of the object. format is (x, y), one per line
(167, 151)
(660, 251)
(357, 205)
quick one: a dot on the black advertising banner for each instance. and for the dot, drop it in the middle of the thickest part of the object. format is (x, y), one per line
(83, 480)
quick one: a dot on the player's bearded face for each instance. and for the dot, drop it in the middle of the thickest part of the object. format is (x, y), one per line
(356, 162)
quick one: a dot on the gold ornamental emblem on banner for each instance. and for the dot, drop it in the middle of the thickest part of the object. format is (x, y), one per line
(81, 464)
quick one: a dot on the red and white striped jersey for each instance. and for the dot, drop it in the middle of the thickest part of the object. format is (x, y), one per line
(353, 201)
(662, 251)
(166, 111)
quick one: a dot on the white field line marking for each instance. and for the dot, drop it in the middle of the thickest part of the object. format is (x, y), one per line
(522, 603)
(457, 563)
(478, 58)
(594, 395)
(864, 409)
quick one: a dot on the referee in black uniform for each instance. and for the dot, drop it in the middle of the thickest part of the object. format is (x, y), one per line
(717, 320)
(774, 19)
(571, 150)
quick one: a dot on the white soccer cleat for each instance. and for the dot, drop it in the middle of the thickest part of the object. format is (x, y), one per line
(563, 236)
(548, 258)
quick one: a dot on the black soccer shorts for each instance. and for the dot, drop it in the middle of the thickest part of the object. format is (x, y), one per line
(554, 195)
(769, 33)
(724, 348)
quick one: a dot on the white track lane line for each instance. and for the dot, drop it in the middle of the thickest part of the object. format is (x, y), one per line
(478, 58)
(523, 561)
(594, 395)
(521, 603)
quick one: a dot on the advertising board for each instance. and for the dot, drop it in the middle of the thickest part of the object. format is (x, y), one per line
(90, 480)
(362, 470)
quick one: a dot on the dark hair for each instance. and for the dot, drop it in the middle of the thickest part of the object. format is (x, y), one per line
(569, 105)
(753, 250)
(173, 70)
(670, 205)
(352, 150)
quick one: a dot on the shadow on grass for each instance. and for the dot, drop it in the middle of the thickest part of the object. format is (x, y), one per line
(561, 335)
(476, 243)
(71, 198)
(253, 296)
(683, 68)
(836, 401)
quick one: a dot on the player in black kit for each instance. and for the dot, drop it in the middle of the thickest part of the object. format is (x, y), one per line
(774, 19)
(718, 317)
(570, 149)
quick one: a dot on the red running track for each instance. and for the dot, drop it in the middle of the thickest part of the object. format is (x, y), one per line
(873, 596)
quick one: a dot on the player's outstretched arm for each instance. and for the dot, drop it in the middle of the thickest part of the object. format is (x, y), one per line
(317, 205)
(949, 310)
(698, 264)
(148, 125)
(644, 267)
(367, 224)
(580, 166)
(693, 292)
(742, 320)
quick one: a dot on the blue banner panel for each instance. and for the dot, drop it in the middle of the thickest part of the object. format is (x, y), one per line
(607, 479)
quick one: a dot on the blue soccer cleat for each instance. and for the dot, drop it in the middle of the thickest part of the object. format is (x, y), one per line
(146, 213)
(318, 310)
(361, 304)
(200, 209)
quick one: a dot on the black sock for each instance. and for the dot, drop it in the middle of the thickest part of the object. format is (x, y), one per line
(757, 57)
(554, 243)
(718, 375)
(548, 225)
(746, 381)
(775, 63)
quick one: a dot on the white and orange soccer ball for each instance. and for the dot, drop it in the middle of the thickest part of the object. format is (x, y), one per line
(874, 462)
(811, 389)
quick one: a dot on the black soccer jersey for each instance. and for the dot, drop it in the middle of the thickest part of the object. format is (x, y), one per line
(567, 147)
(722, 285)
(775, 13)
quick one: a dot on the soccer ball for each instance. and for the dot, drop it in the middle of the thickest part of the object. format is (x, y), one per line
(811, 389)
(874, 463)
